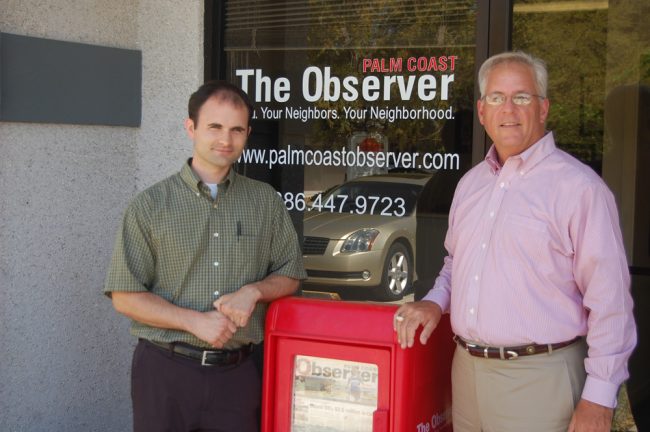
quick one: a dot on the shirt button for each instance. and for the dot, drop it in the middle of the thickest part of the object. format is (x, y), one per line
(216, 263)
(216, 234)
(198, 194)
(522, 172)
(476, 277)
(491, 214)
(502, 185)
(471, 311)
(214, 206)
(483, 246)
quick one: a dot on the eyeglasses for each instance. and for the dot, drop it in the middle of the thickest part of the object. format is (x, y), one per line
(497, 99)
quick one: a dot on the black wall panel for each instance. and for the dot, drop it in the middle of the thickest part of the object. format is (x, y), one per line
(50, 81)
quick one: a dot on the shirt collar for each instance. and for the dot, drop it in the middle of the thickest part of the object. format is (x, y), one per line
(529, 158)
(538, 151)
(493, 160)
(196, 184)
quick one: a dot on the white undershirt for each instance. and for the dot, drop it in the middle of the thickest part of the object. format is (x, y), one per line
(213, 189)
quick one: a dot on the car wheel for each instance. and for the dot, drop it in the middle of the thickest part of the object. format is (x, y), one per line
(398, 273)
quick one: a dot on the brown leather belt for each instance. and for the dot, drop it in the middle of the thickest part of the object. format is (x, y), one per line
(220, 357)
(510, 353)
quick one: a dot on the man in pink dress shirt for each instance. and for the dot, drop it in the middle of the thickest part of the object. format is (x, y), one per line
(536, 279)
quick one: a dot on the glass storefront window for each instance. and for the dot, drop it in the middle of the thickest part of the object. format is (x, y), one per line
(598, 56)
(375, 98)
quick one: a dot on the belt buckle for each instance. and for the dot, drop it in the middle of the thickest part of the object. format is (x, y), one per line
(204, 358)
(513, 355)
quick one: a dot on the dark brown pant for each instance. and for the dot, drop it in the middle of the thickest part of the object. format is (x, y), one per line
(175, 394)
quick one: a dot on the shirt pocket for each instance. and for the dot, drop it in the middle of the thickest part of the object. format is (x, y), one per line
(247, 259)
(527, 223)
(525, 239)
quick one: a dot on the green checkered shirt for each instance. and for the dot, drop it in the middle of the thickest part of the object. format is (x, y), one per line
(178, 243)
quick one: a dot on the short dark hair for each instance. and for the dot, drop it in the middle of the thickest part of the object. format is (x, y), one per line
(223, 90)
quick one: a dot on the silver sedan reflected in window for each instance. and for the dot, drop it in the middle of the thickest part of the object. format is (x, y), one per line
(361, 234)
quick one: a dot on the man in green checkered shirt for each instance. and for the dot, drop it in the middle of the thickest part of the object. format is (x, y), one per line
(197, 259)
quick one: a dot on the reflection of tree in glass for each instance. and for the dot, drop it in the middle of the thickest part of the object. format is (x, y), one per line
(588, 52)
(385, 29)
(574, 46)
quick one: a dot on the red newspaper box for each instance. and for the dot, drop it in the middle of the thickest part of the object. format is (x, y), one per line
(336, 366)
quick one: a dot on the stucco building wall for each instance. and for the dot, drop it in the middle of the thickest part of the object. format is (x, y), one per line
(65, 357)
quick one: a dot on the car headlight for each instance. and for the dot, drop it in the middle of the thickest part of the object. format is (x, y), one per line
(360, 241)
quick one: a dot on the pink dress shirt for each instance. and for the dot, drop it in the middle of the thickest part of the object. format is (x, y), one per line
(536, 256)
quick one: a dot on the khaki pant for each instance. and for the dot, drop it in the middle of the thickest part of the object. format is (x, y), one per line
(531, 393)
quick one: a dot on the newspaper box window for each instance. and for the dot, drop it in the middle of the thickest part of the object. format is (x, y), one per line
(333, 395)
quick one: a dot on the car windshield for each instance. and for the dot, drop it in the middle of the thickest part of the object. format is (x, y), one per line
(369, 197)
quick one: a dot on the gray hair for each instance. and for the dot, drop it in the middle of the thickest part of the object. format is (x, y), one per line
(536, 64)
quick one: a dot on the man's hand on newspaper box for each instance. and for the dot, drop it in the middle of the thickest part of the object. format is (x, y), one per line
(410, 316)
